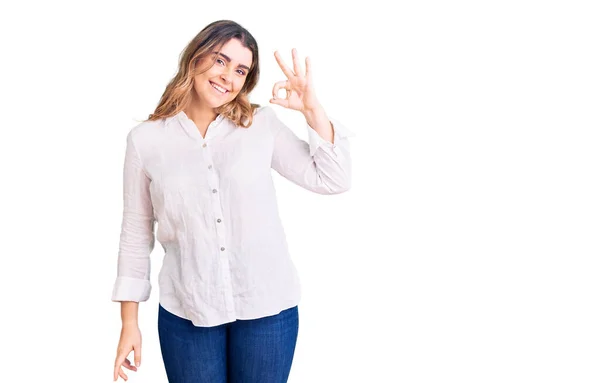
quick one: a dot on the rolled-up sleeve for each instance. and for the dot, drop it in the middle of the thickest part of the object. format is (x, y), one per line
(137, 231)
(318, 165)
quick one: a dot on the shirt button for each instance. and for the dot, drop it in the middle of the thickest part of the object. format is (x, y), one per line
(210, 166)
(204, 145)
(219, 220)
(222, 249)
(214, 190)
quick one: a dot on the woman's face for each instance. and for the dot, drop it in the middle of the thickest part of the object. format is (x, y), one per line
(223, 81)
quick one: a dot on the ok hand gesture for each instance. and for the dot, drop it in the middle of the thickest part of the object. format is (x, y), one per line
(300, 94)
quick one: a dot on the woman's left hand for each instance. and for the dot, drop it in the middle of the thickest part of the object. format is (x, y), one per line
(300, 94)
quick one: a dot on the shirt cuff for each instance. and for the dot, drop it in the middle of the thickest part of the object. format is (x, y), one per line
(340, 132)
(131, 289)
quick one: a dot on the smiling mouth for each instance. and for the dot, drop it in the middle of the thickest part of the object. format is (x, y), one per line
(218, 88)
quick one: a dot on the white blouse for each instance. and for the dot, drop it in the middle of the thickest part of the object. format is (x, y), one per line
(226, 255)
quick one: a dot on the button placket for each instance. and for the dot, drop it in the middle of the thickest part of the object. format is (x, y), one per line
(213, 185)
(217, 211)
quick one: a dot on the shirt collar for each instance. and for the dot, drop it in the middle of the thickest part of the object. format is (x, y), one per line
(189, 125)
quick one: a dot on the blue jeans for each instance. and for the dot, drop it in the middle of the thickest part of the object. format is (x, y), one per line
(245, 351)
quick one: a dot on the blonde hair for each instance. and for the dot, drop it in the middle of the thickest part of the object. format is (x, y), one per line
(178, 95)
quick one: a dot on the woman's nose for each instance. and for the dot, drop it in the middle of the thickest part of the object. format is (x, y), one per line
(226, 75)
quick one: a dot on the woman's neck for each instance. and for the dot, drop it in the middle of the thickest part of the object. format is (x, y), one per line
(202, 117)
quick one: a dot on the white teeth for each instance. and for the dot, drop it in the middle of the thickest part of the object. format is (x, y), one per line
(222, 90)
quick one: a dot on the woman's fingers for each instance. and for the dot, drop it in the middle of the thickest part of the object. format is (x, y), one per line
(119, 372)
(281, 85)
(130, 341)
(287, 71)
(122, 360)
(127, 364)
(296, 62)
(297, 84)
(281, 101)
(118, 363)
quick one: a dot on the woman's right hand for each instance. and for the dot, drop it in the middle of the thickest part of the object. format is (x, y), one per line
(131, 339)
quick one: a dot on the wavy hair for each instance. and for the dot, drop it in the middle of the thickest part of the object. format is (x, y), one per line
(178, 95)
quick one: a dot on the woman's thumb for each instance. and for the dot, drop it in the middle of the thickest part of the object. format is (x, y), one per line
(137, 354)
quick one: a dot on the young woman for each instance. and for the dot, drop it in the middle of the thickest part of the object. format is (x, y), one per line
(200, 167)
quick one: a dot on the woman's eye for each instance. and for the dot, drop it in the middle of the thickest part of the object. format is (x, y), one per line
(241, 72)
(220, 61)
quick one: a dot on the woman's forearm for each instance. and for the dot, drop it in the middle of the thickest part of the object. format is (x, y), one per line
(129, 313)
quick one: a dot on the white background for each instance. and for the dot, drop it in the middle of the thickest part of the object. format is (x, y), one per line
(466, 250)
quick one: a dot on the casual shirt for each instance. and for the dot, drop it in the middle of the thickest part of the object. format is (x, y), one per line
(214, 202)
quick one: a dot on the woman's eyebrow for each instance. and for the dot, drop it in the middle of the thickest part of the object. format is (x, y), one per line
(229, 60)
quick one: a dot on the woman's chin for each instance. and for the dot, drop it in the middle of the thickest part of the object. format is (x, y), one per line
(218, 103)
